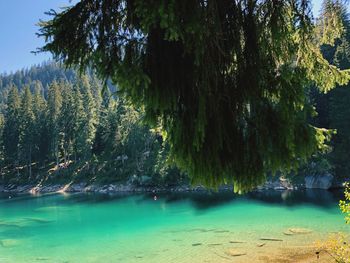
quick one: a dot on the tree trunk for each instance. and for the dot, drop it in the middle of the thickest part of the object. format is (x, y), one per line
(17, 163)
(65, 156)
(56, 155)
(30, 162)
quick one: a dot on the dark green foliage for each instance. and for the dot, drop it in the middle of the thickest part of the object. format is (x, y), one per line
(225, 80)
(339, 120)
(1, 141)
(89, 118)
(11, 131)
(75, 134)
(45, 73)
(54, 105)
(333, 108)
(41, 138)
(27, 134)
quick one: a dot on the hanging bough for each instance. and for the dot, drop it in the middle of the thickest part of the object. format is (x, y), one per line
(225, 79)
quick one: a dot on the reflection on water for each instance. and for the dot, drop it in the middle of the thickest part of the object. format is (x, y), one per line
(315, 197)
(200, 200)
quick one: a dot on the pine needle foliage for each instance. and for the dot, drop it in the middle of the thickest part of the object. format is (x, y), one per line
(226, 80)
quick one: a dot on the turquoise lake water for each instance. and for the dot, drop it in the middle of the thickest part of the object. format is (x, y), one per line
(184, 227)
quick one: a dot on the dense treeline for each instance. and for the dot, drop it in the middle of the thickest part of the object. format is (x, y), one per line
(44, 74)
(333, 107)
(225, 80)
(60, 126)
(55, 122)
(56, 125)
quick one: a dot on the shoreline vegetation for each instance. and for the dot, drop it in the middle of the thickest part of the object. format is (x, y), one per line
(112, 145)
(83, 187)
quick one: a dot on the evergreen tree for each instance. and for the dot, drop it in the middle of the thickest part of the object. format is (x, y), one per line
(11, 133)
(104, 110)
(67, 120)
(333, 107)
(27, 128)
(79, 128)
(110, 119)
(90, 119)
(41, 136)
(339, 101)
(2, 155)
(77, 119)
(226, 80)
(54, 105)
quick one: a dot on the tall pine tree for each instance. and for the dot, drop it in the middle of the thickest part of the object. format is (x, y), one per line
(41, 136)
(11, 133)
(27, 129)
(90, 104)
(54, 105)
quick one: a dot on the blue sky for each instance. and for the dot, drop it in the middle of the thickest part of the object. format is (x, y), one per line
(18, 20)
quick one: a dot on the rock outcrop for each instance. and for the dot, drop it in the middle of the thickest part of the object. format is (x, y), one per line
(319, 181)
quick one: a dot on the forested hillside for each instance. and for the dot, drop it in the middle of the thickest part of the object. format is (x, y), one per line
(57, 126)
(333, 108)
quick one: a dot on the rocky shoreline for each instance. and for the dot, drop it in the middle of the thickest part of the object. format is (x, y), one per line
(280, 184)
(103, 189)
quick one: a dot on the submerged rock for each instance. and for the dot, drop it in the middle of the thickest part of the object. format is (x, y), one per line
(42, 259)
(196, 244)
(7, 243)
(38, 220)
(214, 244)
(271, 239)
(236, 242)
(221, 231)
(9, 224)
(202, 230)
(14, 223)
(297, 231)
(51, 209)
(235, 253)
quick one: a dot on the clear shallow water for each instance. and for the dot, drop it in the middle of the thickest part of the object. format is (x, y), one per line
(181, 227)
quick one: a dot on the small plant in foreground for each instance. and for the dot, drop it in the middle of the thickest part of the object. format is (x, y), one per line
(337, 245)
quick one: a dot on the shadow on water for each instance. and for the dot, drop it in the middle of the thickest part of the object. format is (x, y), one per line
(316, 197)
(42, 200)
(92, 198)
(199, 200)
(13, 197)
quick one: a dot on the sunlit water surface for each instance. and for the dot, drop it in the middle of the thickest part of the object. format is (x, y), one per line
(184, 227)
